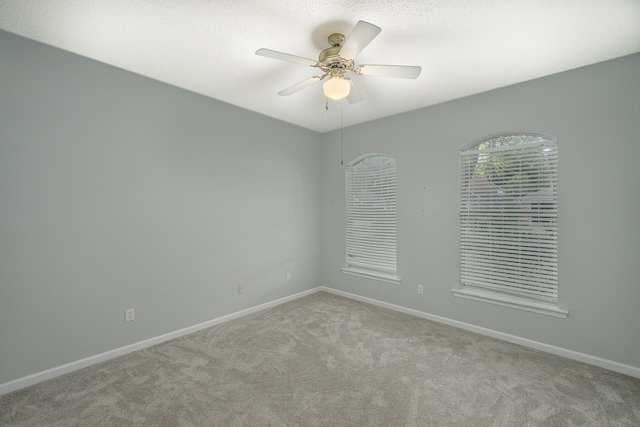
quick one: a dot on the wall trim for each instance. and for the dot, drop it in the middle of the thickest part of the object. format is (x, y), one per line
(57, 371)
(548, 348)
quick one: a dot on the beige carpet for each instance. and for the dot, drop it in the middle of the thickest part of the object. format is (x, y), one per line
(325, 360)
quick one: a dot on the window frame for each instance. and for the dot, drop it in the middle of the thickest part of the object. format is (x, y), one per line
(500, 296)
(383, 273)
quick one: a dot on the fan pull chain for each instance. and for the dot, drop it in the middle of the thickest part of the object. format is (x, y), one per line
(341, 140)
(326, 107)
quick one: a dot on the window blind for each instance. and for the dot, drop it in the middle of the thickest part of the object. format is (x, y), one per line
(508, 217)
(371, 214)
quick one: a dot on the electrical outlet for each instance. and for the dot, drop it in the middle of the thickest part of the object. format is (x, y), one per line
(240, 289)
(129, 315)
(288, 278)
(420, 289)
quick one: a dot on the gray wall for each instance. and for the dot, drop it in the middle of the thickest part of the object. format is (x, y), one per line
(595, 113)
(117, 191)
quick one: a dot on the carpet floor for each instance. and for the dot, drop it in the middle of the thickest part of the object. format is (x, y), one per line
(325, 360)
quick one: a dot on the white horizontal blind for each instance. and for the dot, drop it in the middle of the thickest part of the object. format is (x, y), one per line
(371, 214)
(508, 216)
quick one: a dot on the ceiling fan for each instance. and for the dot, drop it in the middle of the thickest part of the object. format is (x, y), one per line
(338, 60)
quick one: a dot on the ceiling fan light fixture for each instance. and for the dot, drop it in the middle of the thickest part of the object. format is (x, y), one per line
(336, 88)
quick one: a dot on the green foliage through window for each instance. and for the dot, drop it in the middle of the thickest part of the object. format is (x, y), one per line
(513, 174)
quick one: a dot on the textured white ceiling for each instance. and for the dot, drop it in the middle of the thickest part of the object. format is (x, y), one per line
(463, 46)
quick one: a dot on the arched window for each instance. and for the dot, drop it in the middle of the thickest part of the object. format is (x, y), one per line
(371, 231)
(508, 219)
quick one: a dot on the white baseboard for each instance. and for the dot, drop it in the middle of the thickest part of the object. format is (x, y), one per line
(102, 357)
(570, 354)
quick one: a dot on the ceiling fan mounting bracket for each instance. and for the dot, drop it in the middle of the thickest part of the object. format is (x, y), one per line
(336, 39)
(330, 59)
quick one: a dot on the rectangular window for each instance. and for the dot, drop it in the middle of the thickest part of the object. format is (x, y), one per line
(508, 219)
(371, 218)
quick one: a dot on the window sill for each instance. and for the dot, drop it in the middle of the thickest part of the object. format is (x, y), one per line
(370, 274)
(512, 302)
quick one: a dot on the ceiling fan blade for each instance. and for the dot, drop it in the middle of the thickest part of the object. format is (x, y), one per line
(286, 57)
(354, 94)
(402, 71)
(359, 38)
(299, 86)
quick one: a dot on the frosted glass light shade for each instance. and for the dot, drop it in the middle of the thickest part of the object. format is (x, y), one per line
(336, 88)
